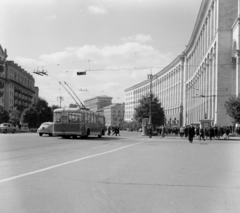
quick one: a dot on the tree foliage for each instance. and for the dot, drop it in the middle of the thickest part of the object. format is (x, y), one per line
(4, 116)
(37, 113)
(232, 106)
(142, 111)
(15, 116)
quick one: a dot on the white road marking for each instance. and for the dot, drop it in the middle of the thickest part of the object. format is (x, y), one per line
(63, 164)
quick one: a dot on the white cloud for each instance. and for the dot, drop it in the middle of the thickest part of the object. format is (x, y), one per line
(138, 38)
(97, 9)
(112, 68)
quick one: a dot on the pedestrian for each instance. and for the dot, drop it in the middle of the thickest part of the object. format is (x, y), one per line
(201, 134)
(191, 133)
(227, 132)
(216, 133)
(109, 130)
(211, 133)
(114, 130)
(198, 131)
(117, 131)
(163, 131)
(181, 132)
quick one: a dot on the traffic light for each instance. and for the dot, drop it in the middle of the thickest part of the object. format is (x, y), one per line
(81, 73)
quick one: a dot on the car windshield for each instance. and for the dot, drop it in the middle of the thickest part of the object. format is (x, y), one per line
(45, 125)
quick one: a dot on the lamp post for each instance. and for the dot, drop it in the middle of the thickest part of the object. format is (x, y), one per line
(150, 106)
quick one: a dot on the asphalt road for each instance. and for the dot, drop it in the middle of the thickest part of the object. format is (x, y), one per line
(118, 174)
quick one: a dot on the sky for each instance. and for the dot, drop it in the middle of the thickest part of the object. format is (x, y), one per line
(116, 42)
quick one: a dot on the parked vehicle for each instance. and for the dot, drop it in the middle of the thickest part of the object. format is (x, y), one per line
(46, 128)
(7, 127)
(24, 127)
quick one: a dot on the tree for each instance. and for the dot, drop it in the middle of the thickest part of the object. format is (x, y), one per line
(4, 116)
(30, 116)
(15, 116)
(142, 111)
(232, 106)
(37, 113)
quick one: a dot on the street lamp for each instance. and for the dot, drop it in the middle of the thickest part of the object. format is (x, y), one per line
(150, 76)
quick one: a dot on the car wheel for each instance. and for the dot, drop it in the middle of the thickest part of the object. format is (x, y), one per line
(4, 131)
(40, 134)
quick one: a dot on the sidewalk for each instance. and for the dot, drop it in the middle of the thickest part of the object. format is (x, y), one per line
(173, 136)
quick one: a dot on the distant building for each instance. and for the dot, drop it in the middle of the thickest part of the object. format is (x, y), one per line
(16, 85)
(3, 57)
(19, 87)
(97, 103)
(114, 114)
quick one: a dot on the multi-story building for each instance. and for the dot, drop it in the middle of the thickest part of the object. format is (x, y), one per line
(97, 103)
(19, 87)
(114, 114)
(3, 57)
(198, 82)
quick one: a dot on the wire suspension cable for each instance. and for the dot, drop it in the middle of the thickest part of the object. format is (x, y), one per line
(70, 94)
(75, 95)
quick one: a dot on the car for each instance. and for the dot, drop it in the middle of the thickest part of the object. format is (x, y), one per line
(46, 128)
(7, 127)
(24, 127)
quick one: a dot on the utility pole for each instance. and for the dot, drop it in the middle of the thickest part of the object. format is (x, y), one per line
(60, 98)
(150, 76)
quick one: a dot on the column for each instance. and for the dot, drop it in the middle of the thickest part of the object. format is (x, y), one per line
(213, 84)
(212, 28)
(238, 72)
(210, 87)
(238, 8)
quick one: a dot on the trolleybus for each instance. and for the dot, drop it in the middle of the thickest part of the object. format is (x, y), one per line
(74, 122)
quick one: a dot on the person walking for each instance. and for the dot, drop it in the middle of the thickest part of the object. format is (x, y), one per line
(163, 131)
(227, 132)
(211, 133)
(201, 134)
(117, 131)
(181, 132)
(191, 133)
(109, 130)
(198, 132)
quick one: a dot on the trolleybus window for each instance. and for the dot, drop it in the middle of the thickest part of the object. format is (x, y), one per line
(73, 117)
(57, 117)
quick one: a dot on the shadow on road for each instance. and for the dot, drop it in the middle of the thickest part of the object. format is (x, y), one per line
(94, 138)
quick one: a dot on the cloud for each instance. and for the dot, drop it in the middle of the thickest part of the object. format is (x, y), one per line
(110, 69)
(138, 38)
(97, 9)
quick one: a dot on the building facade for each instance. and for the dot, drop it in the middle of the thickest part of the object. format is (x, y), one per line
(3, 58)
(97, 103)
(114, 114)
(198, 82)
(19, 87)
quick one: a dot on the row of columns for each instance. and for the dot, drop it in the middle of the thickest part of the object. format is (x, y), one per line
(204, 40)
(201, 92)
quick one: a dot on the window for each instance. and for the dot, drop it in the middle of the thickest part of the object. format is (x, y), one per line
(58, 117)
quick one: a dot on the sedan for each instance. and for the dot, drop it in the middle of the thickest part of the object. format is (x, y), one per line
(7, 127)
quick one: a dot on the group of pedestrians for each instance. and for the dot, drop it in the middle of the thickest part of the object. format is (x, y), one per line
(113, 130)
(203, 133)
